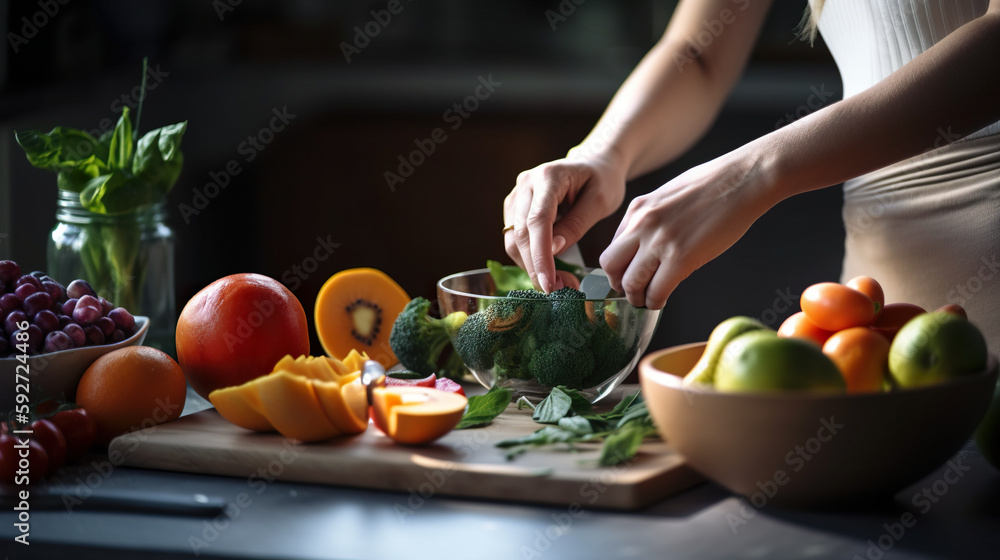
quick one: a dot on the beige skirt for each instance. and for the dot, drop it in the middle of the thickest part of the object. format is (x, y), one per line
(928, 229)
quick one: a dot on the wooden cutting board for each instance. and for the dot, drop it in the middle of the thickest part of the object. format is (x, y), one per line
(463, 463)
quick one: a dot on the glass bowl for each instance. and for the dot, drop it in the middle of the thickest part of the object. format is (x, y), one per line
(593, 343)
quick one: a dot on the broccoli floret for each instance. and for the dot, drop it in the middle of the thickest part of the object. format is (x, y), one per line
(572, 317)
(557, 363)
(476, 343)
(417, 339)
(454, 367)
(611, 354)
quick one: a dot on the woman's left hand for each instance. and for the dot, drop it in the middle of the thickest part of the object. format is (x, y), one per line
(671, 232)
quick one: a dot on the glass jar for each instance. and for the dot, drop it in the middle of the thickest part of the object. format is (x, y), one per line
(127, 258)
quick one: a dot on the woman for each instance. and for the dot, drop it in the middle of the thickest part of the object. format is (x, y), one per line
(916, 139)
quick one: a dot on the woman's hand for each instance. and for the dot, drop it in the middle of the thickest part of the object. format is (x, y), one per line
(586, 186)
(671, 232)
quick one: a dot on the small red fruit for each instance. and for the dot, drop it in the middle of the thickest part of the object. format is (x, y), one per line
(79, 430)
(52, 440)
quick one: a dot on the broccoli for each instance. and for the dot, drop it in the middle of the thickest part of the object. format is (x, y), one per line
(572, 319)
(453, 368)
(557, 363)
(418, 339)
(611, 354)
(476, 343)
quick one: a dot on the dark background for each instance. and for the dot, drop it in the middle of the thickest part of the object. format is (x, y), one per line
(225, 68)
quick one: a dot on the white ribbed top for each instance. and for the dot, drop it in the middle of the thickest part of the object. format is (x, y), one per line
(870, 39)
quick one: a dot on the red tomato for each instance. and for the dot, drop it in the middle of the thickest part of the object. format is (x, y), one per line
(37, 461)
(78, 428)
(52, 440)
(799, 326)
(954, 308)
(893, 317)
(862, 356)
(871, 288)
(835, 307)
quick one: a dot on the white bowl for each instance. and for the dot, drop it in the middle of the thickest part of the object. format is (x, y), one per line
(55, 375)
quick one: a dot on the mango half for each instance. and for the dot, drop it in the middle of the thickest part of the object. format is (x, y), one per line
(416, 415)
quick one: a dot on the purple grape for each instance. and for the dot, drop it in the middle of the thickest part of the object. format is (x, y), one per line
(123, 319)
(94, 335)
(76, 333)
(65, 320)
(69, 306)
(9, 272)
(116, 336)
(90, 301)
(79, 288)
(56, 341)
(25, 290)
(9, 302)
(36, 302)
(47, 321)
(55, 290)
(13, 318)
(29, 279)
(106, 325)
(86, 315)
(38, 274)
(106, 306)
(35, 339)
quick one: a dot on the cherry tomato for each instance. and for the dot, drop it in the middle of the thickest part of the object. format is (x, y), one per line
(37, 461)
(871, 288)
(893, 317)
(862, 356)
(52, 440)
(78, 428)
(835, 307)
(954, 308)
(799, 326)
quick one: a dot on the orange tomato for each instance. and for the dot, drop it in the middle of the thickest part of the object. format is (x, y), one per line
(799, 326)
(871, 288)
(893, 317)
(835, 307)
(862, 356)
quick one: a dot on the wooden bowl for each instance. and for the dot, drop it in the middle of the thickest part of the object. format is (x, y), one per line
(809, 450)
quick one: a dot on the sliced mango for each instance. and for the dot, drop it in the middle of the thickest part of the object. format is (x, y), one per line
(289, 402)
(355, 360)
(416, 415)
(241, 406)
(338, 411)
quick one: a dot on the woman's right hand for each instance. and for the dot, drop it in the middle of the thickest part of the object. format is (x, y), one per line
(554, 204)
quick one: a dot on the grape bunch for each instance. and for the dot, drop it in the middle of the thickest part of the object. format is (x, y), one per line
(60, 318)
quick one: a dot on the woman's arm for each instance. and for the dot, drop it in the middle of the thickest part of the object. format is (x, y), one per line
(667, 234)
(665, 105)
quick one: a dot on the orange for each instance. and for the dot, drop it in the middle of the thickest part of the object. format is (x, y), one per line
(862, 356)
(235, 330)
(131, 388)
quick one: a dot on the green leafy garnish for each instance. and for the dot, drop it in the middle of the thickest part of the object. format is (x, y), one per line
(118, 173)
(482, 409)
(509, 277)
(622, 429)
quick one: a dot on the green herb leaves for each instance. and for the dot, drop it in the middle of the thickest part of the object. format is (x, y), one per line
(622, 429)
(483, 409)
(113, 174)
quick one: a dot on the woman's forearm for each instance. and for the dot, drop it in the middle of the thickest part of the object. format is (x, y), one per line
(674, 94)
(945, 93)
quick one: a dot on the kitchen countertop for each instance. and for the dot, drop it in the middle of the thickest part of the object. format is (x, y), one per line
(958, 519)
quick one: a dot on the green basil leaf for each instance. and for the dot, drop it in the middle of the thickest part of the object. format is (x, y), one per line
(580, 403)
(120, 149)
(636, 413)
(158, 157)
(508, 277)
(552, 407)
(73, 180)
(482, 409)
(406, 375)
(61, 149)
(543, 436)
(116, 193)
(621, 445)
(576, 424)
